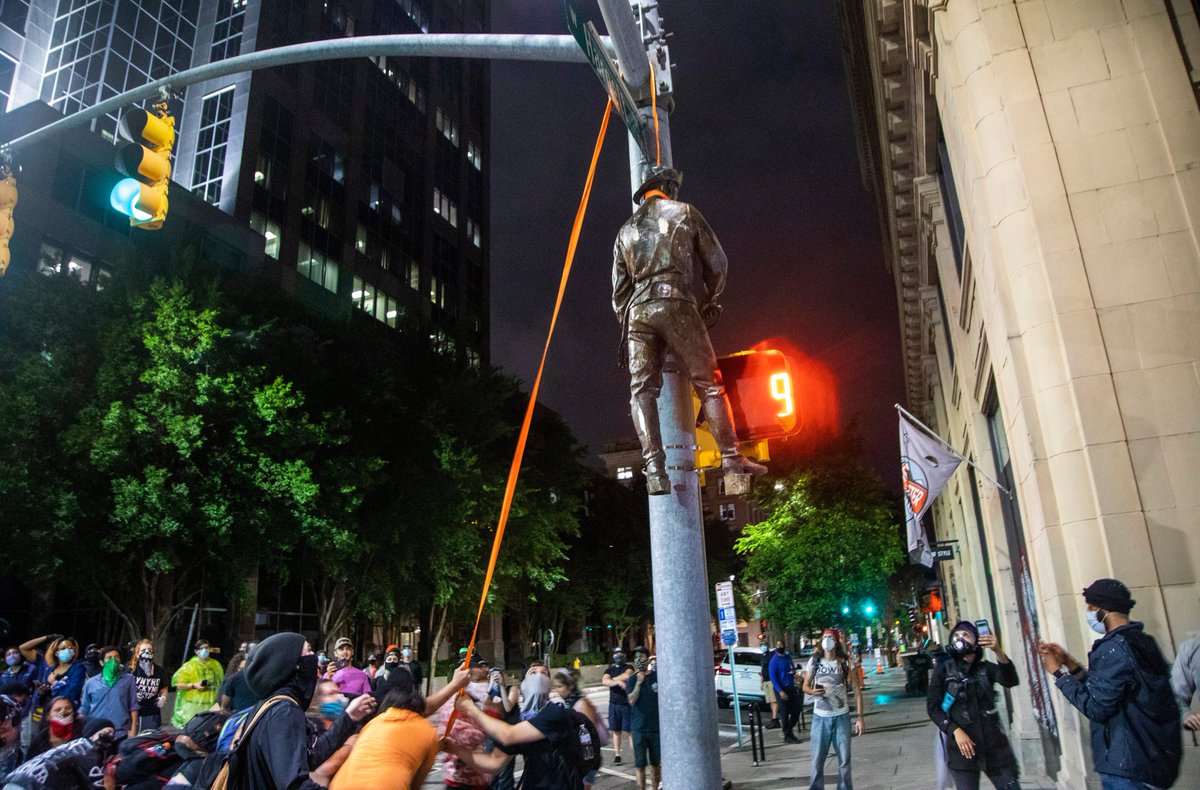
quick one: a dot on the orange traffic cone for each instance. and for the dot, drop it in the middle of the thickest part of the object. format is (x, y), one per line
(878, 665)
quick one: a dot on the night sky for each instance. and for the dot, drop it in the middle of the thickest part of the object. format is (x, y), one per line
(763, 134)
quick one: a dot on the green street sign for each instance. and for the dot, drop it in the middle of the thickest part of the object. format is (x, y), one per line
(585, 33)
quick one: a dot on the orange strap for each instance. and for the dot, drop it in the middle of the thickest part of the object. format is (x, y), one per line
(654, 110)
(514, 471)
(649, 193)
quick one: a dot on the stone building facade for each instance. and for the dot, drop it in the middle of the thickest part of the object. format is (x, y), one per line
(1037, 169)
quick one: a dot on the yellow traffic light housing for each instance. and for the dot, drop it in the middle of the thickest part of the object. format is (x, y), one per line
(8, 201)
(143, 196)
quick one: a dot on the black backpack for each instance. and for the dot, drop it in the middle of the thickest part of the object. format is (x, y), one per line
(148, 760)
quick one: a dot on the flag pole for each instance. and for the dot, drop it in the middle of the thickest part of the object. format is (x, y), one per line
(934, 435)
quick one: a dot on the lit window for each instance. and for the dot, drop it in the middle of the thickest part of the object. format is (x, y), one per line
(269, 231)
(473, 232)
(474, 156)
(625, 473)
(360, 239)
(414, 276)
(728, 511)
(317, 267)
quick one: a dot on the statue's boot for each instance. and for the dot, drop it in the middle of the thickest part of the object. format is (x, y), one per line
(720, 421)
(645, 420)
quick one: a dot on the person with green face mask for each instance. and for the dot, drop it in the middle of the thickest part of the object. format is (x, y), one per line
(112, 694)
(196, 684)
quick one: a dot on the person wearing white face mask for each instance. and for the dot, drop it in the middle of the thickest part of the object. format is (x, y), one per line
(196, 684)
(828, 678)
(1125, 693)
(962, 703)
(151, 681)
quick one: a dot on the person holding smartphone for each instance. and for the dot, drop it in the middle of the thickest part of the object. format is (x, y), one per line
(962, 703)
(196, 684)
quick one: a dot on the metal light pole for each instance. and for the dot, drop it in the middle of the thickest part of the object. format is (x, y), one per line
(687, 702)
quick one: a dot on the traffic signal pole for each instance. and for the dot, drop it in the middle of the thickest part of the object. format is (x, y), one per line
(687, 703)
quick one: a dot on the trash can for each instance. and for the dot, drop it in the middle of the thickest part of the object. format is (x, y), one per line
(916, 673)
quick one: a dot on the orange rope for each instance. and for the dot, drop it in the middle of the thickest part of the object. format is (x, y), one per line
(519, 454)
(654, 110)
(649, 193)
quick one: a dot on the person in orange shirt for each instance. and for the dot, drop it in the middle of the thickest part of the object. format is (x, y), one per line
(396, 749)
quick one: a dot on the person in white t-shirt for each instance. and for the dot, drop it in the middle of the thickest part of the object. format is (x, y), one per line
(828, 679)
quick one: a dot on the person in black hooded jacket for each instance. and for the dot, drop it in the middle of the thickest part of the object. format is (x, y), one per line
(962, 703)
(1125, 693)
(284, 747)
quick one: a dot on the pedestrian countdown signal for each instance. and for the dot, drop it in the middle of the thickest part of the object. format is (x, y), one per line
(762, 394)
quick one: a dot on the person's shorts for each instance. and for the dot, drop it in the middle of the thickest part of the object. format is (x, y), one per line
(590, 778)
(769, 692)
(620, 717)
(646, 749)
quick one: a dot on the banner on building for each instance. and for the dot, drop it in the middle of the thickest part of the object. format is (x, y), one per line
(925, 466)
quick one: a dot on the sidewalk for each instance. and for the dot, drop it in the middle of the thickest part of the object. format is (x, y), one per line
(896, 753)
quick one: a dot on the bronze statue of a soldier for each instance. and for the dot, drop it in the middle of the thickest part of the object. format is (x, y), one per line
(668, 271)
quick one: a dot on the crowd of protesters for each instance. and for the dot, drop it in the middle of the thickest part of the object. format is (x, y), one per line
(281, 715)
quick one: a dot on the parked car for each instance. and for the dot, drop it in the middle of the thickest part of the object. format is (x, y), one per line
(747, 662)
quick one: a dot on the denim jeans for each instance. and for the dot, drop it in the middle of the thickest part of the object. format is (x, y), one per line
(1110, 782)
(835, 730)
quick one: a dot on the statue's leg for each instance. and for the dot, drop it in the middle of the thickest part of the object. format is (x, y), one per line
(695, 352)
(645, 382)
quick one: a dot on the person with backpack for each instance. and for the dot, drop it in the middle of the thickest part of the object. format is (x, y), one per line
(643, 700)
(560, 745)
(828, 678)
(273, 744)
(962, 703)
(1125, 692)
(566, 685)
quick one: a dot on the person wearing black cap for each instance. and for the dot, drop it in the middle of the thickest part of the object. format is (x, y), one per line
(962, 703)
(283, 747)
(1125, 693)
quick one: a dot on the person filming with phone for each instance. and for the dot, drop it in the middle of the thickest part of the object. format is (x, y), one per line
(962, 703)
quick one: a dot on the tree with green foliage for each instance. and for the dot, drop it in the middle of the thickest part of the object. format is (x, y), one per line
(830, 540)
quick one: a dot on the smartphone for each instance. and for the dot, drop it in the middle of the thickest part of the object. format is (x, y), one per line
(983, 627)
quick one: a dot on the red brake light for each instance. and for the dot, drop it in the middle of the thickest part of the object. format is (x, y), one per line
(723, 670)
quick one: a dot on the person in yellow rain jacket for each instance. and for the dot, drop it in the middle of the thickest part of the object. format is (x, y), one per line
(196, 684)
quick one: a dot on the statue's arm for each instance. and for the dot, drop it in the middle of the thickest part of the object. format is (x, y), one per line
(622, 283)
(711, 256)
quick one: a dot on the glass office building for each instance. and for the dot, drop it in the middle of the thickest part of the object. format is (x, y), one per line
(366, 178)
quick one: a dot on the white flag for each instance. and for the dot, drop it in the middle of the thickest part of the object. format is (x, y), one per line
(925, 466)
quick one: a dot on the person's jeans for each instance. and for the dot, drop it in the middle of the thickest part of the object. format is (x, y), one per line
(835, 730)
(1110, 782)
(1002, 778)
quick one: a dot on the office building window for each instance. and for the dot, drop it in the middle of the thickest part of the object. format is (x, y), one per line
(414, 276)
(211, 142)
(437, 292)
(317, 267)
(269, 231)
(447, 127)
(227, 32)
(8, 69)
(374, 303)
(475, 156)
(624, 472)
(444, 208)
(473, 232)
(13, 13)
(275, 149)
(728, 511)
(328, 161)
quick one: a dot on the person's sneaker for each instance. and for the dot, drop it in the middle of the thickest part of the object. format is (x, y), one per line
(773, 724)
(616, 759)
(790, 739)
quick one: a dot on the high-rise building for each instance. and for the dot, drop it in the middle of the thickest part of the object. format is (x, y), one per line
(367, 178)
(1037, 170)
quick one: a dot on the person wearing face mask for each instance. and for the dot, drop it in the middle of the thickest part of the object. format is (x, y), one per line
(196, 684)
(962, 703)
(828, 678)
(466, 735)
(18, 670)
(643, 702)
(10, 735)
(92, 660)
(151, 682)
(62, 724)
(60, 674)
(282, 747)
(619, 713)
(412, 664)
(783, 678)
(386, 677)
(327, 704)
(112, 694)
(1125, 692)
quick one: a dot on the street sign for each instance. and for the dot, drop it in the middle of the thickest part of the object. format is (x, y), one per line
(585, 33)
(724, 595)
(729, 637)
(942, 551)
